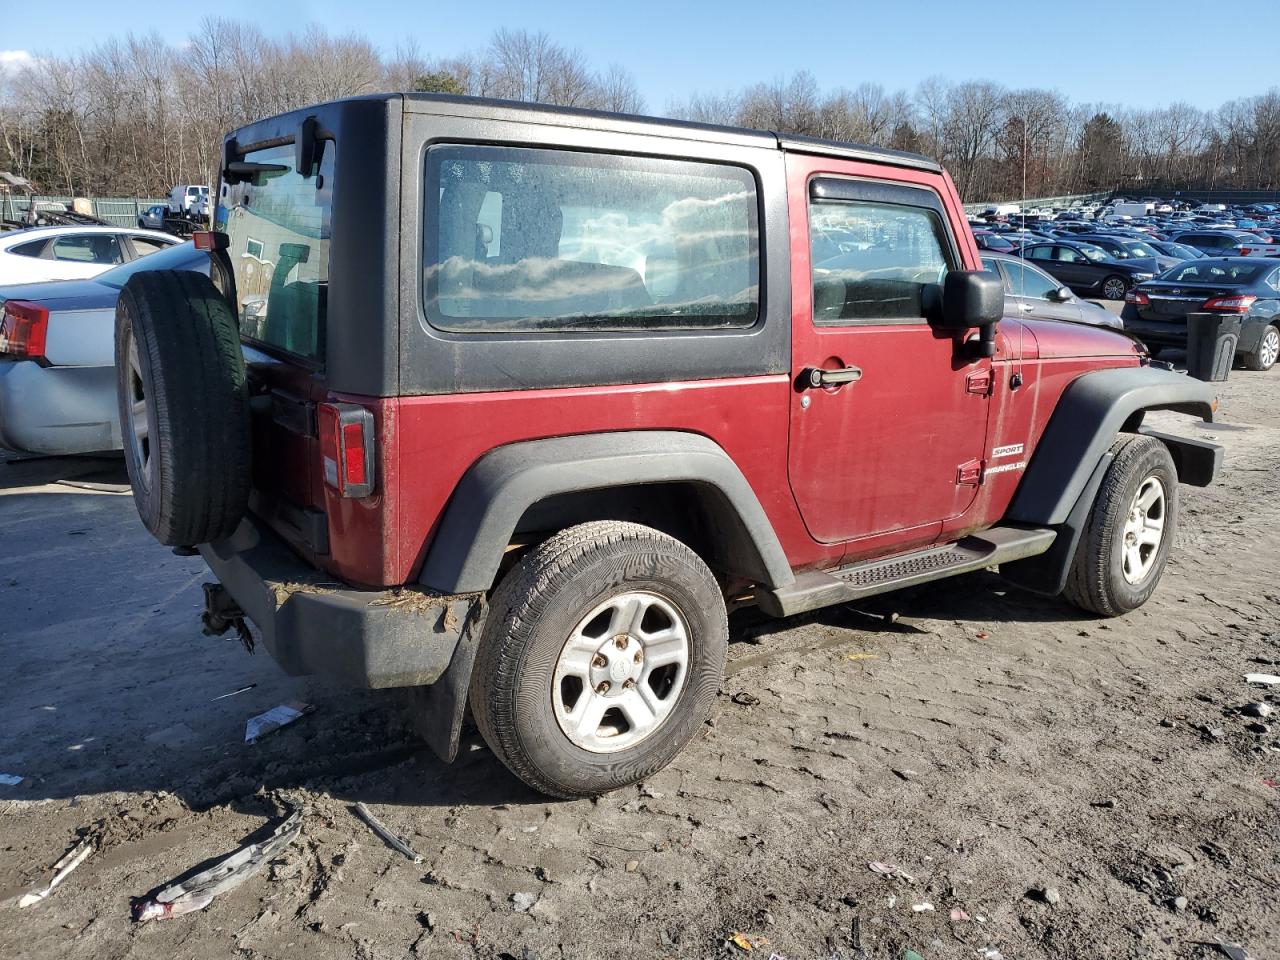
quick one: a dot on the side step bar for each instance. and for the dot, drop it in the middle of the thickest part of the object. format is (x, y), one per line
(822, 588)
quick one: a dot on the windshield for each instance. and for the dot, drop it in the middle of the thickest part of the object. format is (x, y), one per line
(1213, 271)
(182, 256)
(1092, 252)
(1139, 249)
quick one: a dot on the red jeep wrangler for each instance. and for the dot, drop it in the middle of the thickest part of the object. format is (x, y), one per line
(509, 404)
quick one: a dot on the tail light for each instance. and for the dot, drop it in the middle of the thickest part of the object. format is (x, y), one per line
(1138, 297)
(347, 448)
(24, 330)
(1237, 304)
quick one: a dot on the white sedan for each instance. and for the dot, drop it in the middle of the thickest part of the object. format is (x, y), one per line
(73, 253)
(57, 358)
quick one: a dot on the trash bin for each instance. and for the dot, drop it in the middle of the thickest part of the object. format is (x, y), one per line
(1211, 344)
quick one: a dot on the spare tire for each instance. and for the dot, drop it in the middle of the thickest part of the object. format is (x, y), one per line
(184, 406)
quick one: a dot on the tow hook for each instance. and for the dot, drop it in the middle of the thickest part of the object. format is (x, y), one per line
(221, 613)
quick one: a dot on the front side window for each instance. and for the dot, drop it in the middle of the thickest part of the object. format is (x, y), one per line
(888, 255)
(1027, 281)
(1040, 252)
(521, 240)
(278, 224)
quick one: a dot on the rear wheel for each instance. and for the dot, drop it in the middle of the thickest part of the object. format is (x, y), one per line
(1114, 288)
(601, 658)
(1265, 354)
(1125, 544)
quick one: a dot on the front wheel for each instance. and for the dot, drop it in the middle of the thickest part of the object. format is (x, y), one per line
(600, 659)
(1125, 543)
(1267, 351)
(1114, 288)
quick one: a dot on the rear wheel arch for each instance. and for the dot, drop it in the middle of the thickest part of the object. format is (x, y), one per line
(680, 483)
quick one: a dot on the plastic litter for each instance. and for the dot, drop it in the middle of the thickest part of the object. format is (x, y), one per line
(66, 863)
(1232, 950)
(396, 843)
(890, 870)
(197, 892)
(925, 907)
(10, 779)
(274, 719)
(1268, 678)
(223, 696)
(959, 915)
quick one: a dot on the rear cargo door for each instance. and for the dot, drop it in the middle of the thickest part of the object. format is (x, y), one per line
(278, 225)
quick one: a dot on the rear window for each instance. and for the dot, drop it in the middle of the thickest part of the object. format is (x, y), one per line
(279, 224)
(1214, 271)
(540, 240)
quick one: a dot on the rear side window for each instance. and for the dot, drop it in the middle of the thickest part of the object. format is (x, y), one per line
(33, 249)
(279, 224)
(98, 248)
(886, 256)
(520, 240)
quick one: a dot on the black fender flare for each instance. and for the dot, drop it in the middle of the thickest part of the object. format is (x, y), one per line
(1090, 413)
(500, 486)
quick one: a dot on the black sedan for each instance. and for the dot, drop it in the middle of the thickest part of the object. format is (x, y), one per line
(1087, 269)
(1249, 287)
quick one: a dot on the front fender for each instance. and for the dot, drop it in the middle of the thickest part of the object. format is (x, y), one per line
(498, 488)
(1086, 420)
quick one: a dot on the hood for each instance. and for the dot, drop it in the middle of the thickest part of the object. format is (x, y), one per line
(63, 294)
(1136, 264)
(1055, 340)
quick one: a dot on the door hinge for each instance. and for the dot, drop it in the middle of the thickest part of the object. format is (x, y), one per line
(969, 473)
(979, 382)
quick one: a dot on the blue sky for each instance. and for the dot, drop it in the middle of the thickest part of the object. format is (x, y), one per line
(1118, 52)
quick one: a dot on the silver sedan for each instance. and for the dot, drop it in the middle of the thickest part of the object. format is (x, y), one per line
(57, 358)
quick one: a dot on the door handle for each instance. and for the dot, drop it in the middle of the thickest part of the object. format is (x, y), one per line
(1026, 307)
(818, 377)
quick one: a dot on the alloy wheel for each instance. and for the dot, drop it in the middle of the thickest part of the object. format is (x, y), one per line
(1143, 530)
(621, 672)
(139, 425)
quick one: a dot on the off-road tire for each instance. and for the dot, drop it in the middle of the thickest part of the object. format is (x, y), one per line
(1096, 582)
(192, 377)
(532, 613)
(1263, 356)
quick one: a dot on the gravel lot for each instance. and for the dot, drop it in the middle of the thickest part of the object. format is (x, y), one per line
(989, 743)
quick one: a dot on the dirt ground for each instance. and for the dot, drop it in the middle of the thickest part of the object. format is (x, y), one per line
(989, 743)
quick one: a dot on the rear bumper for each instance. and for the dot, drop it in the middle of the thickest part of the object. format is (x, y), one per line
(312, 625)
(58, 410)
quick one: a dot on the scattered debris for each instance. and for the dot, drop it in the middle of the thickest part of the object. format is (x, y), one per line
(744, 699)
(1267, 678)
(741, 942)
(10, 779)
(66, 863)
(198, 891)
(909, 954)
(1213, 733)
(1258, 727)
(890, 870)
(925, 907)
(1047, 895)
(523, 902)
(959, 915)
(632, 866)
(1259, 710)
(393, 841)
(274, 719)
(1107, 803)
(1231, 950)
(989, 953)
(1178, 903)
(905, 774)
(860, 655)
(223, 696)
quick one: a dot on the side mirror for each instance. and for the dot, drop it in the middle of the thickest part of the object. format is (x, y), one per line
(970, 298)
(1063, 294)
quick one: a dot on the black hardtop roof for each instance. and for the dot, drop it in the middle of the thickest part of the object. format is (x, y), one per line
(485, 108)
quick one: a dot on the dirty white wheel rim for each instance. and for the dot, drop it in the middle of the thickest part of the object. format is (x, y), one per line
(139, 425)
(1270, 349)
(1143, 530)
(621, 672)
